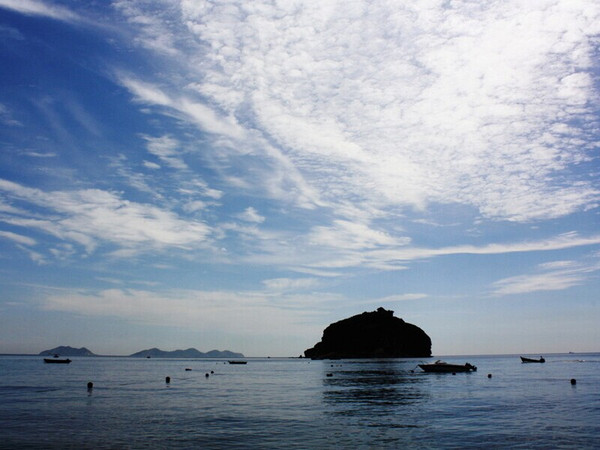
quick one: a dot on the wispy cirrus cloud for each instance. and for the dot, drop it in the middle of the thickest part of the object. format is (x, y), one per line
(560, 242)
(6, 117)
(290, 284)
(554, 276)
(165, 149)
(250, 214)
(17, 238)
(92, 217)
(39, 8)
(202, 115)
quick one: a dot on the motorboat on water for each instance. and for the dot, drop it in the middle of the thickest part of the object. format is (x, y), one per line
(532, 360)
(443, 367)
(56, 361)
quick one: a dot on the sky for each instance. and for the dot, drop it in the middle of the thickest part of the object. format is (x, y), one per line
(238, 175)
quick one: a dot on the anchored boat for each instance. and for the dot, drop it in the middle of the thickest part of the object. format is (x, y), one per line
(532, 360)
(444, 367)
(56, 361)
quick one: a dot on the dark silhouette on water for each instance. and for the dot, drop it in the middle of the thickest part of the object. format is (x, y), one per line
(376, 334)
(188, 353)
(531, 360)
(444, 367)
(65, 350)
(56, 360)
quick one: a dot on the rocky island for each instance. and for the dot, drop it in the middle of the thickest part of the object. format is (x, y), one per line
(376, 334)
(189, 353)
(65, 350)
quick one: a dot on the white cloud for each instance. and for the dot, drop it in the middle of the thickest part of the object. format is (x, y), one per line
(391, 299)
(352, 235)
(92, 216)
(6, 117)
(38, 8)
(151, 165)
(563, 241)
(18, 238)
(396, 104)
(165, 148)
(250, 214)
(290, 284)
(201, 115)
(554, 276)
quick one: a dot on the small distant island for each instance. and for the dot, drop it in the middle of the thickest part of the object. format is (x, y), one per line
(376, 334)
(189, 353)
(65, 350)
(149, 353)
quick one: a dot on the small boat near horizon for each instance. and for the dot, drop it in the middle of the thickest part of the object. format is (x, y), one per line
(233, 361)
(444, 367)
(56, 360)
(532, 360)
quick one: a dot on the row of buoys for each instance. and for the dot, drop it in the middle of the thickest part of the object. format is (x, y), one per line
(168, 379)
(90, 385)
(573, 380)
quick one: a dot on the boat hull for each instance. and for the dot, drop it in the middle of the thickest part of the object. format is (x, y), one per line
(531, 360)
(447, 368)
(56, 361)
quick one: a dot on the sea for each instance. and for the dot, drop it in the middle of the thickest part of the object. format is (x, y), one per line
(295, 403)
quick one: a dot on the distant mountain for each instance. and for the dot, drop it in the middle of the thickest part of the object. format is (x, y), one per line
(189, 353)
(67, 351)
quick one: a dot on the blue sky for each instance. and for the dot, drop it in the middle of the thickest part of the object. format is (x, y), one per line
(238, 175)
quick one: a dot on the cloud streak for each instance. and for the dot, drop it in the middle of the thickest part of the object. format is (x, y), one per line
(556, 276)
(38, 8)
(92, 217)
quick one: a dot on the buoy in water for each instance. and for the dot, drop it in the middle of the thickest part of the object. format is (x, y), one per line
(573, 381)
(168, 380)
(489, 375)
(206, 375)
(90, 385)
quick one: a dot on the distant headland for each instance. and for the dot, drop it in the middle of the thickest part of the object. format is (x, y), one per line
(189, 353)
(376, 334)
(65, 350)
(149, 353)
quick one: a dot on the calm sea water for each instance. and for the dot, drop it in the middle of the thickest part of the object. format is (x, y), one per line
(296, 403)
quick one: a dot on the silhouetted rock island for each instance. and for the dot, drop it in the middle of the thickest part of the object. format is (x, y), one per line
(376, 334)
(65, 350)
(189, 353)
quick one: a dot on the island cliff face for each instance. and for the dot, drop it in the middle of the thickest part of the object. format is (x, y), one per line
(376, 334)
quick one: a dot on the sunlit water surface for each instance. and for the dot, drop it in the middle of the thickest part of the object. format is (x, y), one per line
(297, 403)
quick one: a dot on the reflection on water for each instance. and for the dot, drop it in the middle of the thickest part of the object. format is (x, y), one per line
(353, 387)
(293, 403)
